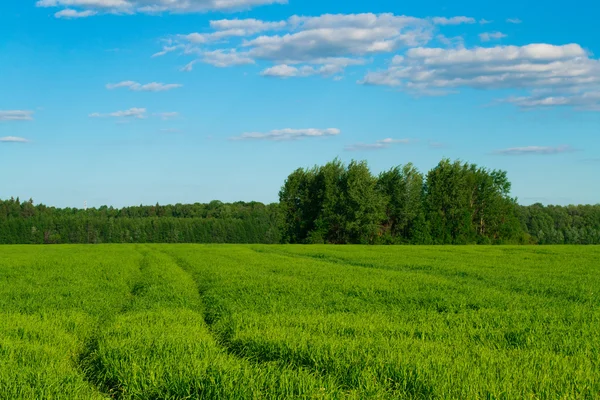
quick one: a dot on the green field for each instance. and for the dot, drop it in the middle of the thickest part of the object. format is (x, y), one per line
(253, 322)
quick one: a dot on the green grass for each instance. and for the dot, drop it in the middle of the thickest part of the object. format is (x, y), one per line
(277, 322)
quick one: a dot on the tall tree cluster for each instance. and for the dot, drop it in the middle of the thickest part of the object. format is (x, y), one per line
(455, 203)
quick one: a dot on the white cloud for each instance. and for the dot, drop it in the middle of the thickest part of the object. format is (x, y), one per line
(226, 58)
(514, 21)
(542, 69)
(378, 145)
(84, 3)
(341, 35)
(135, 113)
(453, 20)
(167, 115)
(313, 45)
(16, 115)
(532, 52)
(166, 50)
(325, 45)
(156, 6)
(488, 36)
(582, 100)
(325, 42)
(484, 21)
(535, 150)
(286, 71)
(288, 134)
(149, 87)
(69, 13)
(249, 25)
(13, 139)
(359, 21)
(189, 67)
(227, 28)
(327, 67)
(138, 113)
(392, 141)
(281, 71)
(456, 41)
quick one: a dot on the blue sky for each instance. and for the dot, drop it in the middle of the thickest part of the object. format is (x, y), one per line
(125, 102)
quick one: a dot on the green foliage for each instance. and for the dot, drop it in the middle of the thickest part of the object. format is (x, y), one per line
(457, 203)
(273, 322)
(469, 204)
(332, 204)
(404, 198)
(561, 225)
(216, 222)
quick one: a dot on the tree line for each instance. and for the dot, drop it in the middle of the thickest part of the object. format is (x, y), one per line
(215, 222)
(453, 203)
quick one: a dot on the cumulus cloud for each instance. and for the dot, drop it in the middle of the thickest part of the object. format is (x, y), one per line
(543, 69)
(104, 4)
(488, 36)
(69, 13)
(582, 100)
(228, 28)
(288, 134)
(149, 87)
(378, 145)
(138, 113)
(535, 150)
(320, 45)
(155, 6)
(16, 115)
(532, 52)
(13, 139)
(340, 35)
(196, 38)
(218, 58)
(282, 71)
(323, 45)
(514, 21)
(453, 20)
(248, 26)
(328, 67)
(226, 58)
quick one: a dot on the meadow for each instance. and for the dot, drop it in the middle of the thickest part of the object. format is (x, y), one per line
(308, 322)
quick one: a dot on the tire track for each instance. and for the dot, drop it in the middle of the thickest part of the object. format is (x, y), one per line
(224, 332)
(87, 361)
